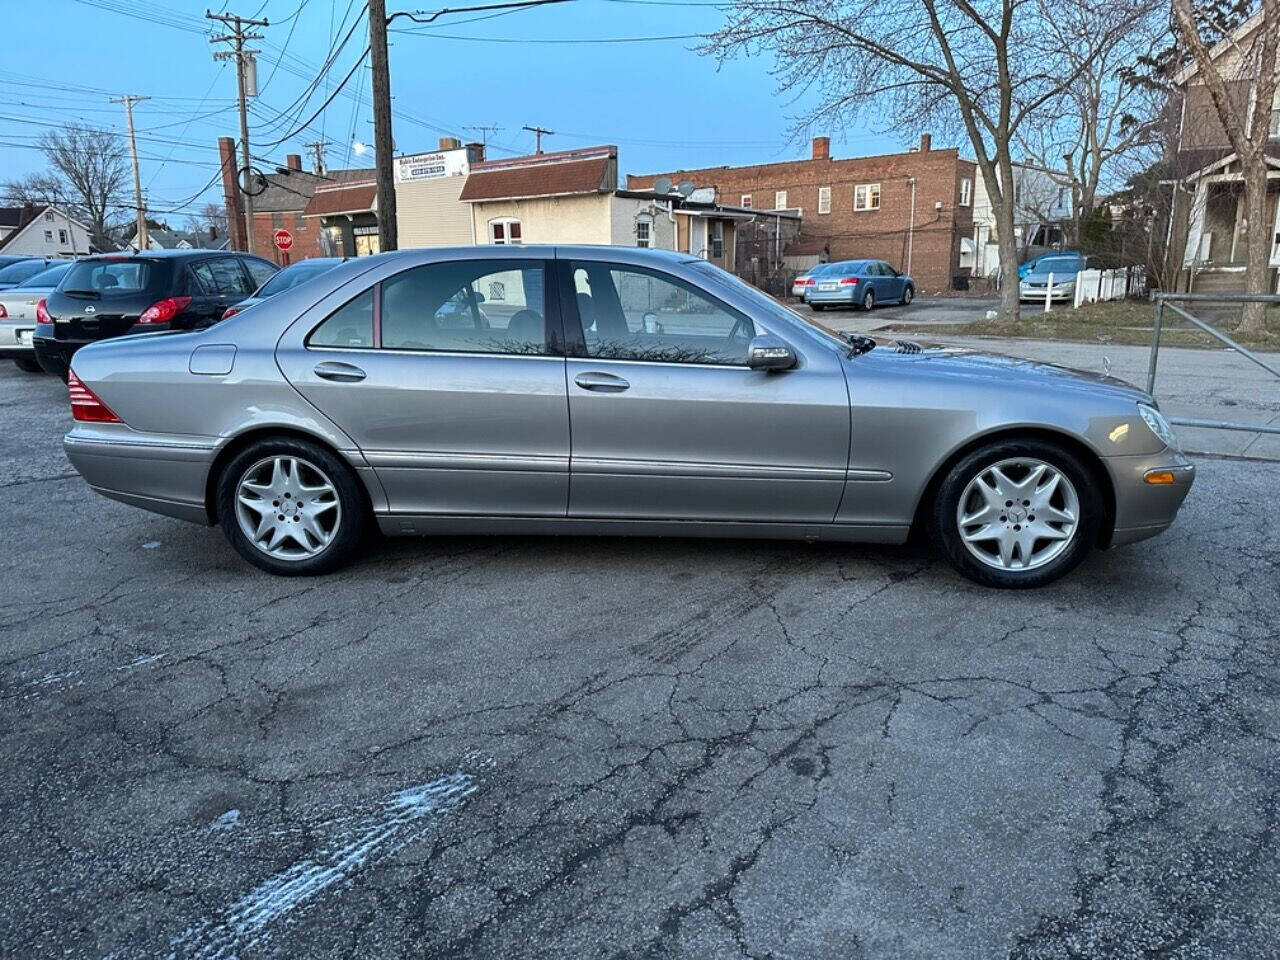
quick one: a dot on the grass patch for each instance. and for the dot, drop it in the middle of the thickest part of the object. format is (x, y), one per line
(1119, 321)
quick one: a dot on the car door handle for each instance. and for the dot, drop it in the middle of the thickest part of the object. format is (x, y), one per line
(339, 371)
(601, 382)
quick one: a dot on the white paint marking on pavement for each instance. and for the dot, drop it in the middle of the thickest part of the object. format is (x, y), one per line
(403, 818)
(151, 545)
(142, 661)
(226, 821)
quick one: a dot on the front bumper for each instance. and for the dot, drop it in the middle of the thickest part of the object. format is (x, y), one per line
(1144, 509)
(1037, 293)
(163, 474)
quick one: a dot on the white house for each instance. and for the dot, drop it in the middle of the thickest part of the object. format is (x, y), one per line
(429, 212)
(1042, 207)
(42, 232)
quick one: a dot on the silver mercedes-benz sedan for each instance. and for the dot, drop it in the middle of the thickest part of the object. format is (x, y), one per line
(607, 390)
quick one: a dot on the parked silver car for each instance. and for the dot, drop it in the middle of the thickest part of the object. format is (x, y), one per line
(607, 391)
(19, 308)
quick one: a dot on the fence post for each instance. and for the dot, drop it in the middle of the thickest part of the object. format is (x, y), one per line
(1048, 293)
(1155, 348)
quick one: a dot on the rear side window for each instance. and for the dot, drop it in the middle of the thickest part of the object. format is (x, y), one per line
(105, 279)
(350, 326)
(468, 306)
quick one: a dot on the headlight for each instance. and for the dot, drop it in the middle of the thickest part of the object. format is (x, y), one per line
(1159, 425)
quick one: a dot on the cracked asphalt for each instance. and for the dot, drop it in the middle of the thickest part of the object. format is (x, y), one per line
(588, 748)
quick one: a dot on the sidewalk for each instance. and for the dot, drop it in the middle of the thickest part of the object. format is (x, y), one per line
(1208, 384)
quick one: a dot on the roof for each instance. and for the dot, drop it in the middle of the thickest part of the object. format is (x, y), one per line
(131, 254)
(13, 216)
(1229, 42)
(28, 215)
(290, 192)
(352, 196)
(567, 173)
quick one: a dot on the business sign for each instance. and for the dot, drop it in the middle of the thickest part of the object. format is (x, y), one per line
(431, 166)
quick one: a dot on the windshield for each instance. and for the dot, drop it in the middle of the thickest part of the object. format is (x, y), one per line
(766, 303)
(49, 277)
(108, 279)
(290, 277)
(20, 271)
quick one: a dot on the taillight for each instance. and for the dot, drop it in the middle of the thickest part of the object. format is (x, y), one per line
(849, 281)
(807, 282)
(85, 405)
(230, 312)
(4, 314)
(162, 311)
(42, 313)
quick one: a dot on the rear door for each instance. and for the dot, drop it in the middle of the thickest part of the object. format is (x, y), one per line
(668, 421)
(450, 378)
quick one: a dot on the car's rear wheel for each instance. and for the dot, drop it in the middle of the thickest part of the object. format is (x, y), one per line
(1018, 513)
(291, 507)
(907, 296)
(869, 300)
(818, 307)
(27, 365)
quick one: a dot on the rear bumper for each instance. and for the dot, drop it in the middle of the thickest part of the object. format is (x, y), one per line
(1144, 509)
(12, 346)
(54, 356)
(849, 295)
(163, 474)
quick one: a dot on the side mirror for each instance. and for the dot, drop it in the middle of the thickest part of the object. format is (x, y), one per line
(767, 352)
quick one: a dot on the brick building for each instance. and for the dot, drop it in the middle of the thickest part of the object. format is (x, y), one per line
(861, 206)
(282, 204)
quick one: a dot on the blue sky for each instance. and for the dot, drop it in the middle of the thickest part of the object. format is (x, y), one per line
(663, 104)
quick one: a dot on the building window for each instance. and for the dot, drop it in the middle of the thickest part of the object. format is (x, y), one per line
(717, 239)
(48, 215)
(966, 191)
(644, 232)
(866, 196)
(824, 199)
(48, 236)
(746, 201)
(506, 230)
(780, 200)
(62, 237)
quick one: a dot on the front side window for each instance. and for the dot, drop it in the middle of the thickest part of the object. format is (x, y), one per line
(350, 326)
(866, 196)
(504, 231)
(467, 306)
(824, 199)
(628, 313)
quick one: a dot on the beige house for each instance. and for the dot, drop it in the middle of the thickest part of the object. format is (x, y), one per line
(567, 197)
(1207, 232)
(429, 208)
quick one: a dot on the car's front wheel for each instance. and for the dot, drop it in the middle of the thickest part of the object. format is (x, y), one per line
(27, 365)
(1017, 513)
(291, 507)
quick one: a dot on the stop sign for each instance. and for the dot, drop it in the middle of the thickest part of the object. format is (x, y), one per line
(283, 239)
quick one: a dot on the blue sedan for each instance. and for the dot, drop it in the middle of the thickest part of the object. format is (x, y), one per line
(861, 283)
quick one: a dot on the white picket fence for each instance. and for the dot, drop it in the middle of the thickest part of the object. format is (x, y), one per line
(1095, 285)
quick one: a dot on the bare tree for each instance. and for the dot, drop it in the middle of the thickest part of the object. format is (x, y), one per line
(985, 67)
(1247, 124)
(87, 166)
(37, 189)
(211, 219)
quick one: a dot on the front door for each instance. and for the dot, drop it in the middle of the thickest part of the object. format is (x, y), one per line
(668, 421)
(444, 375)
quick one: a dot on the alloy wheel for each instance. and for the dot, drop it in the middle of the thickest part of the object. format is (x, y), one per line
(287, 507)
(1018, 514)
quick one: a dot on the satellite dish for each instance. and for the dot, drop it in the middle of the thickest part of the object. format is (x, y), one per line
(702, 195)
(662, 185)
(686, 187)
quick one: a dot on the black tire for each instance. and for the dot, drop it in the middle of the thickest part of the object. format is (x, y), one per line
(352, 525)
(945, 528)
(817, 307)
(908, 294)
(869, 300)
(27, 365)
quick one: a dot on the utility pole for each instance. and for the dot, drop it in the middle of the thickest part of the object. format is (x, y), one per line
(539, 132)
(129, 100)
(237, 38)
(317, 150)
(484, 132)
(388, 238)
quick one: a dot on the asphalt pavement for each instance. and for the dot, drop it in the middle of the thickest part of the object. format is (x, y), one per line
(579, 748)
